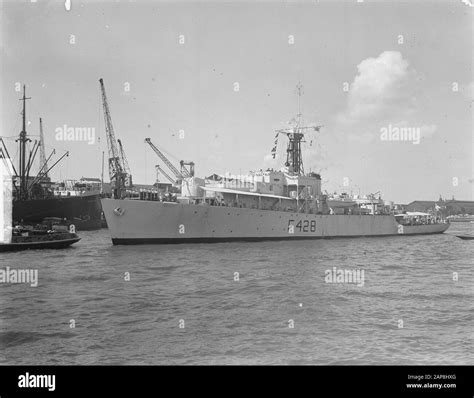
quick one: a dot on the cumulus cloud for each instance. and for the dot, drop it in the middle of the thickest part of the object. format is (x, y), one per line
(382, 84)
(384, 92)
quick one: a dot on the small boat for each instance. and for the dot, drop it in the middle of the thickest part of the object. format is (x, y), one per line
(40, 237)
(465, 237)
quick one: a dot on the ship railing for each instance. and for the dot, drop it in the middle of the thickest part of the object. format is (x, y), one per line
(418, 219)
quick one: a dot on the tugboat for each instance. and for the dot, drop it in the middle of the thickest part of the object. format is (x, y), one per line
(48, 235)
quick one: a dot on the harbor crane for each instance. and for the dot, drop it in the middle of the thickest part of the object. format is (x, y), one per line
(180, 175)
(119, 173)
(126, 168)
(184, 171)
(43, 160)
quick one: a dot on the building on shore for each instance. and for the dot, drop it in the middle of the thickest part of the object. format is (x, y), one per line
(447, 207)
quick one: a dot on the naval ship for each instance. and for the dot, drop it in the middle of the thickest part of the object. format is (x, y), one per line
(280, 204)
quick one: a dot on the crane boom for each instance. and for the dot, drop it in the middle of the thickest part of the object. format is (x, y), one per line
(117, 172)
(126, 168)
(122, 155)
(43, 149)
(123, 158)
(160, 154)
(159, 169)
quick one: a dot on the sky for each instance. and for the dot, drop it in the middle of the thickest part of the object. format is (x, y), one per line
(212, 81)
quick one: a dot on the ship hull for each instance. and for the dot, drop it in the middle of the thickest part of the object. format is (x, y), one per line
(82, 211)
(148, 222)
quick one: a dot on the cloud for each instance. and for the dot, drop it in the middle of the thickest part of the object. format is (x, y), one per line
(381, 84)
(384, 92)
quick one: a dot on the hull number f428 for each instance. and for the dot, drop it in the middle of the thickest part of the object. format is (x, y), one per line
(302, 225)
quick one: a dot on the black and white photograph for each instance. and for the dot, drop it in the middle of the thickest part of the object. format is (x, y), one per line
(237, 183)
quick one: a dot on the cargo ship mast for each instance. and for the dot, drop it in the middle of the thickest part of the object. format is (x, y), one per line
(23, 139)
(25, 182)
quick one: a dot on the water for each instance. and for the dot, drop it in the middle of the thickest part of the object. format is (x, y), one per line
(245, 321)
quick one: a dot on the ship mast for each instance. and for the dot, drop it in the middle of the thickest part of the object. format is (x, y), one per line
(294, 156)
(26, 183)
(23, 139)
(299, 91)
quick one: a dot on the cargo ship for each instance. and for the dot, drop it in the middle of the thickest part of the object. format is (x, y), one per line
(34, 197)
(84, 211)
(285, 204)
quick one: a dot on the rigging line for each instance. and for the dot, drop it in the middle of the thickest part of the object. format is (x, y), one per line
(29, 123)
(16, 125)
(10, 137)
